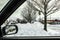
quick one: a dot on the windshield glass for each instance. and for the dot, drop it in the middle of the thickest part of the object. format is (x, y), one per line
(30, 18)
(3, 3)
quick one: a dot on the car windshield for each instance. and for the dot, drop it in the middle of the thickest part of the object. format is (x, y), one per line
(3, 3)
(30, 16)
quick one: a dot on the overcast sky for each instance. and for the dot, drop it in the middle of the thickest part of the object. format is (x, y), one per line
(18, 11)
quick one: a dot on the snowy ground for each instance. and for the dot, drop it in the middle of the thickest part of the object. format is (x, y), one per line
(36, 29)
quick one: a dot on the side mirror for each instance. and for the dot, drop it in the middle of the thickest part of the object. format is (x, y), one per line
(10, 29)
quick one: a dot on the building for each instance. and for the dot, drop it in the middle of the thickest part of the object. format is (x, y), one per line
(56, 21)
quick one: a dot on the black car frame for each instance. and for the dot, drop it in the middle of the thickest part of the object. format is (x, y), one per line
(8, 9)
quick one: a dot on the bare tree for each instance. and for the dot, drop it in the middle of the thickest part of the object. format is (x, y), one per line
(28, 13)
(46, 7)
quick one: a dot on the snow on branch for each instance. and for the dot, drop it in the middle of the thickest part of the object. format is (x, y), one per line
(34, 6)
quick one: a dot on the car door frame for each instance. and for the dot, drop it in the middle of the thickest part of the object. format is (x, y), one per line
(8, 9)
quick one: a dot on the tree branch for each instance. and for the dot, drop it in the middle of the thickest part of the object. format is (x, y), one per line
(57, 9)
(51, 9)
(52, 4)
(33, 7)
(40, 7)
(48, 1)
(55, 4)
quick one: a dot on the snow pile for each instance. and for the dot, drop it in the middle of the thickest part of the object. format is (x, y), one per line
(31, 29)
(53, 30)
(35, 29)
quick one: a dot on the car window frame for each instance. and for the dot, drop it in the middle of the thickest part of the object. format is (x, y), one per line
(8, 9)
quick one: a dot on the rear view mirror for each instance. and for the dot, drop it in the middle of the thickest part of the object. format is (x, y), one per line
(10, 29)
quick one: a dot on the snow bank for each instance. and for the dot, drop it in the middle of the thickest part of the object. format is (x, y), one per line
(35, 29)
(31, 29)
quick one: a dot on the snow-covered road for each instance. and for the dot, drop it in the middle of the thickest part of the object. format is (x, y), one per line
(54, 27)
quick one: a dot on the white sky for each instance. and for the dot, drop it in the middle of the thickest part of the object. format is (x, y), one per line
(3, 3)
(18, 11)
